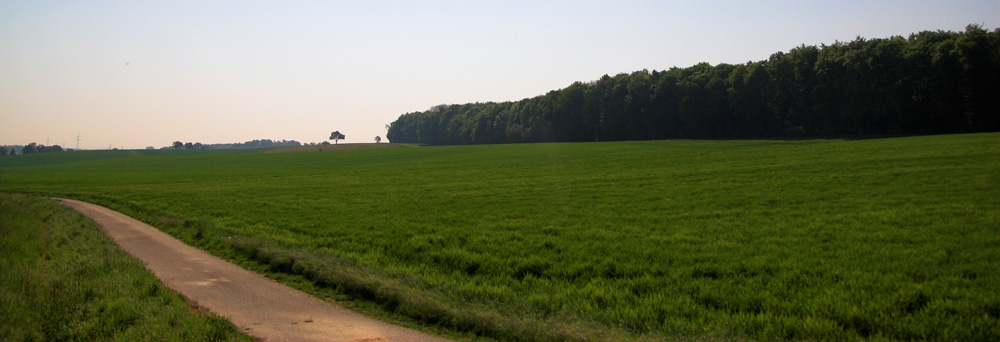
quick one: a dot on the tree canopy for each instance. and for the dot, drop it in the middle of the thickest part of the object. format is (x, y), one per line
(38, 148)
(932, 82)
(336, 136)
(256, 143)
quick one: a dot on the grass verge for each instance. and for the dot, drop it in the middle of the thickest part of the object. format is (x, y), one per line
(62, 279)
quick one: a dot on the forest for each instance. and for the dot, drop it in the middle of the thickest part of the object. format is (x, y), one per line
(933, 82)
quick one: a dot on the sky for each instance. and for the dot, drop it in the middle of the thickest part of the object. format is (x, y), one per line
(132, 74)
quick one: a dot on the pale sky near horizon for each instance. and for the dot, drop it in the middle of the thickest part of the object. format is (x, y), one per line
(131, 74)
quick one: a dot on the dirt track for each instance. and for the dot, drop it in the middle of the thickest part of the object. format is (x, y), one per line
(259, 307)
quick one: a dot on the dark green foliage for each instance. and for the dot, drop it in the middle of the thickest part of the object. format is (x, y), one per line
(930, 83)
(36, 148)
(336, 136)
(876, 240)
(62, 280)
(256, 143)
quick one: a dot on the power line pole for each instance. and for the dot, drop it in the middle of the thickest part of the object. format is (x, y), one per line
(78, 140)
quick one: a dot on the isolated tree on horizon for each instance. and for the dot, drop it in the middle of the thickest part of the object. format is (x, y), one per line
(378, 139)
(336, 137)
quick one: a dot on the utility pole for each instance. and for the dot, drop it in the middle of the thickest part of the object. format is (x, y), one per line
(78, 140)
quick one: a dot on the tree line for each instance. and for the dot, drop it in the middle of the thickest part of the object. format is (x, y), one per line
(30, 149)
(256, 143)
(932, 82)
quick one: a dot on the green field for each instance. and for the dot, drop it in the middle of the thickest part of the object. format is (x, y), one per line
(883, 239)
(62, 279)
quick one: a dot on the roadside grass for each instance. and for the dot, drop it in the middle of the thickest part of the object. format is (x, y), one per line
(62, 279)
(877, 240)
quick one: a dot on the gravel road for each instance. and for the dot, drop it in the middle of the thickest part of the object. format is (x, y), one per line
(259, 307)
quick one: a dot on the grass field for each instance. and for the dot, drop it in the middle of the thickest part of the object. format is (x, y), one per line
(62, 279)
(884, 239)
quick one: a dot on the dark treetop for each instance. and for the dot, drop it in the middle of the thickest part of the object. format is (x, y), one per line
(930, 83)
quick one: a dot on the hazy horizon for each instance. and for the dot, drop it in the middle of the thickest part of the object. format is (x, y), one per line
(132, 75)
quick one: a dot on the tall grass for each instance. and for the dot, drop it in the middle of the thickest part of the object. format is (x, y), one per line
(61, 279)
(886, 239)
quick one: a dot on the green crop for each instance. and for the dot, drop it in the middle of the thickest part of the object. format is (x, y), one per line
(884, 239)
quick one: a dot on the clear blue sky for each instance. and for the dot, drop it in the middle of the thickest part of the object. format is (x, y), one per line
(132, 74)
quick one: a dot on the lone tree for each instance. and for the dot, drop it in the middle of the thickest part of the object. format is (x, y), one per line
(378, 139)
(336, 137)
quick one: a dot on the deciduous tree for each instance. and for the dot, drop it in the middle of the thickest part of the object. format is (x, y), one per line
(29, 149)
(930, 83)
(336, 137)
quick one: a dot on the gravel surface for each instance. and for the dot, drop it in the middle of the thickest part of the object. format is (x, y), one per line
(259, 307)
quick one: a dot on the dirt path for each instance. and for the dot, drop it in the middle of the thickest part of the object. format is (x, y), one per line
(260, 307)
